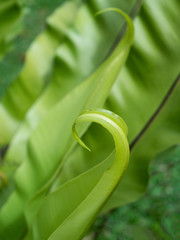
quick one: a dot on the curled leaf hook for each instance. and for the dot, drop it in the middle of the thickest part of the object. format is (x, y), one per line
(116, 126)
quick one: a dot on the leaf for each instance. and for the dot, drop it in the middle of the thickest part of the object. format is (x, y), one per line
(11, 13)
(93, 187)
(34, 76)
(142, 85)
(76, 50)
(50, 140)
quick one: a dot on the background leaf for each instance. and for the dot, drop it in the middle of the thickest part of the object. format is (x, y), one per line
(34, 22)
(11, 12)
(33, 78)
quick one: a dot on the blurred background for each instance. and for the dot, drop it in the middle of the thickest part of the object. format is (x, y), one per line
(155, 216)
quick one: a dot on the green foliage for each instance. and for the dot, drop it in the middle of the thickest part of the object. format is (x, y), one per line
(36, 170)
(54, 185)
(142, 85)
(33, 77)
(11, 12)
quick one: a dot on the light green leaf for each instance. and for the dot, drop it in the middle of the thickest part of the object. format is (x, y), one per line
(88, 192)
(50, 140)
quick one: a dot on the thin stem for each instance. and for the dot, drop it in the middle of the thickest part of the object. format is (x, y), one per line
(132, 14)
(3, 151)
(156, 113)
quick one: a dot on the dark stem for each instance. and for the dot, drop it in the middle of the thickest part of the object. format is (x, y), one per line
(3, 151)
(132, 14)
(24, 234)
(158, 110)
